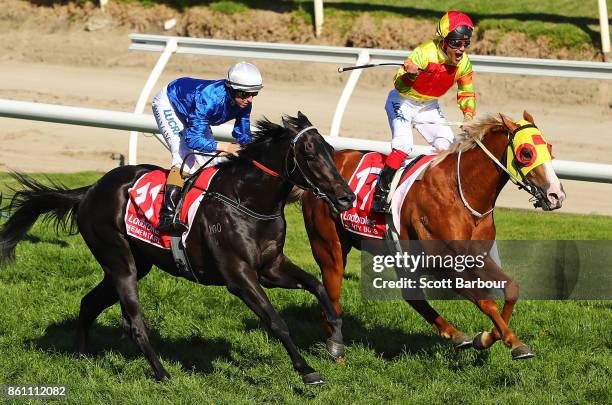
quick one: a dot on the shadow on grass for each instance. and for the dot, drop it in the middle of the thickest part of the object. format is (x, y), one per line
(305, 324)
(36, 239)
(194, 354)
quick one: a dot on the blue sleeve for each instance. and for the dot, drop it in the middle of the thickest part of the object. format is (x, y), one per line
(242, 127)
(197, 134)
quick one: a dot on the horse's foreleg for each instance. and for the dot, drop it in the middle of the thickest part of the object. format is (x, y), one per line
(285, 274)
(247, 288)
(441, 325)
(511, 293)
(485, 340)
(328, 247)
(331, 258)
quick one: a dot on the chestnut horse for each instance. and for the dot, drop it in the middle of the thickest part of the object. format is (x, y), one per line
(244, 253)
(448, 205)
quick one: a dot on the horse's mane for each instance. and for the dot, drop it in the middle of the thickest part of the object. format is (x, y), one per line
(465, 140)
(267, 133)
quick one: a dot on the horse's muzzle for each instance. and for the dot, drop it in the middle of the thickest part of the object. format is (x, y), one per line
(345, 202)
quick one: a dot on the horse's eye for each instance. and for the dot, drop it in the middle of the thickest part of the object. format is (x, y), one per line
(525, 154)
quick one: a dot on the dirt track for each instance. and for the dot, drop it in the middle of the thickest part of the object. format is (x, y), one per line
(94, 69)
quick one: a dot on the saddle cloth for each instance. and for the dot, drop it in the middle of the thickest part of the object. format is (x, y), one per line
(145, 201)
(360, 219)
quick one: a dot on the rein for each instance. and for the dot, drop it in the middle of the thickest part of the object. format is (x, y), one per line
(241, 208)
(253, 214)
(223, 198)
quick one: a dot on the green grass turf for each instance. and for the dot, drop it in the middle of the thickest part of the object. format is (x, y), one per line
(218, 352)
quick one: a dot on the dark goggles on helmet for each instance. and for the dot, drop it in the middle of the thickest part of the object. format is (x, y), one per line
(458, 43)
(245, 94)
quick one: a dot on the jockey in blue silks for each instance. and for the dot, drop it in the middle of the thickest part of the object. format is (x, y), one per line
(185, 109)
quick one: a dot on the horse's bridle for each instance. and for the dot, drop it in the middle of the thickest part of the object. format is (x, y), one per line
(287, 176)
(523, 183)
(296, 165)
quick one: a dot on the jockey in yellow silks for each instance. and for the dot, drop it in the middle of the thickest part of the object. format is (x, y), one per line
(428, 73)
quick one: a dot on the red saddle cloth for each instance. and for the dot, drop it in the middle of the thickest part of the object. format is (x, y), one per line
(360, 219)
(144, 204)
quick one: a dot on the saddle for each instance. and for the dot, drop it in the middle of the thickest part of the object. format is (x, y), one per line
(144, 205)
(360, 219)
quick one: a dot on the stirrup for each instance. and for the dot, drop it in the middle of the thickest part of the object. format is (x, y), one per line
(174, 226)
(380, 204)
(179, 226)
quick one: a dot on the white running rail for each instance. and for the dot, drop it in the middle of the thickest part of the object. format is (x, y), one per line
(354, 56)
(565, 169)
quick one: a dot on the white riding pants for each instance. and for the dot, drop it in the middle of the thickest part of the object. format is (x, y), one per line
(402, 111)
(170, 127)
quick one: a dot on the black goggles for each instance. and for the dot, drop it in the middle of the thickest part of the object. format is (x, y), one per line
(457, 43)
(245, 94)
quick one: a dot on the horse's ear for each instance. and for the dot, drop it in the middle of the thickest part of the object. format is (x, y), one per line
(528, 117)
(508, 123)
(285, 121)
(302, 117)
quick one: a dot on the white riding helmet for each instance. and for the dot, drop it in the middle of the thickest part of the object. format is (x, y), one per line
(244, 76)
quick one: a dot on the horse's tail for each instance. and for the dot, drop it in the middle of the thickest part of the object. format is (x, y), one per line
(295, 195)
(55, 203)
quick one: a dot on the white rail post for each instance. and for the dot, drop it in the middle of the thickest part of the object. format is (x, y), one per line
(170, 48)
(604, 28)
(318, 14)
(363, 58)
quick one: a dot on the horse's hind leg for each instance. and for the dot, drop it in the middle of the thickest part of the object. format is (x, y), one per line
(112, 250)
(285, 274)
(127, 290)
(97, 300)
(244, 284)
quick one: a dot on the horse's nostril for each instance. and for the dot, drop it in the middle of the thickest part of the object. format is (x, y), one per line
(346, 201)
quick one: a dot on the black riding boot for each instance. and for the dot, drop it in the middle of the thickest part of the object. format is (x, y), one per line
(382, 190)
(168, 221)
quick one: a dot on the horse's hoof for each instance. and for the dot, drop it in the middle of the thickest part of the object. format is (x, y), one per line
(313, 378)
(477, 342)
(341, 361)
(522, 352)
(163, 376)
(461, 341)
(335, 349)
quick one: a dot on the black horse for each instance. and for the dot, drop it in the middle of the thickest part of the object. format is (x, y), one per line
(244, 253)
